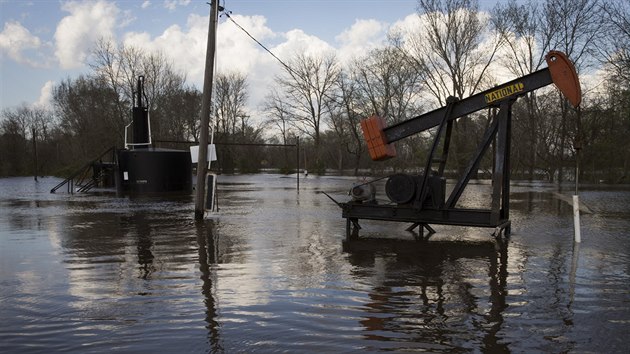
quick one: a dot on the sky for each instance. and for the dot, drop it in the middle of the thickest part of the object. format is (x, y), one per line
(43, 42)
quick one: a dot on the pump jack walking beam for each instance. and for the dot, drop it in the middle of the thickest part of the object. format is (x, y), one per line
(560, 71)
(379, 139)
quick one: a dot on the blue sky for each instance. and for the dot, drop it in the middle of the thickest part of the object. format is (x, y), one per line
(45, 41)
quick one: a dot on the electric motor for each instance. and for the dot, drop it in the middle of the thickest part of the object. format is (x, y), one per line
(362, 192)
(401, 188)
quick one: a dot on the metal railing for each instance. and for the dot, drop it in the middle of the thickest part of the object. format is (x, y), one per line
(82, 178)
(149, 143)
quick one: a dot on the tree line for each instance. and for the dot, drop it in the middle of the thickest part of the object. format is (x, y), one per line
(457, 50)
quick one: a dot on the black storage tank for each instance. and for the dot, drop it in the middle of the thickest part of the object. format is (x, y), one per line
(146, 171)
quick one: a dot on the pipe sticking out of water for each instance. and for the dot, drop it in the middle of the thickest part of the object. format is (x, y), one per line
(576, 219)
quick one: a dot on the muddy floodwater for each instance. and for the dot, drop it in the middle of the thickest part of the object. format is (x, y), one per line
(92, 273)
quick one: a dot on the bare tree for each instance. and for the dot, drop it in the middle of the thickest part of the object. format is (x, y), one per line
(107, 64)
(84, 107)
(278, 114)
(180, 108)
(454, 47)
(448, 47)
(577, 35)
(14, 133)
(28, 122)
(527, 37)
(230, 117)
(387, 85)
(381, 83)
(120, 66)
(161, 82)
(529, 32)
(229, 104)
(616, 57)
(347, 117)
(306, 86)
(617, 53)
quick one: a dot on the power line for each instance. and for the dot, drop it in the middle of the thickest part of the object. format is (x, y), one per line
(291, 72)
(227, 14)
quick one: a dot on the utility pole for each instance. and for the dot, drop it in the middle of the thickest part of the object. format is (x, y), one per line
(202, 160)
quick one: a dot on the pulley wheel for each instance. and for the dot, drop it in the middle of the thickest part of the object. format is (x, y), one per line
(400, 188)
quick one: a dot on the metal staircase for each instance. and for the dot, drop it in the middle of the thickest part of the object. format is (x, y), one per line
(92, 174)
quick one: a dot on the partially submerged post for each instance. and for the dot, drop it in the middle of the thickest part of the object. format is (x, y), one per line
(202, 163)
(577, 237)
(297, 144)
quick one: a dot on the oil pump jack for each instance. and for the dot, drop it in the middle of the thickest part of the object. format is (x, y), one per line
(421, 199)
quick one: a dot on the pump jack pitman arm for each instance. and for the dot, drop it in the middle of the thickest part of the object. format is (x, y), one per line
(559, 71)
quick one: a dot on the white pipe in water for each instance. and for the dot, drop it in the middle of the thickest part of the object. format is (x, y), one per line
(576, 219)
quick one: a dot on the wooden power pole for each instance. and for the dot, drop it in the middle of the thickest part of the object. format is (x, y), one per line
(202, 160)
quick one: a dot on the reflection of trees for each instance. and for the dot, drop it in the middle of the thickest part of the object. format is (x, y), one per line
(498, 274)
(426, 293)
(93, 236)
(145, 243)
(110, 238)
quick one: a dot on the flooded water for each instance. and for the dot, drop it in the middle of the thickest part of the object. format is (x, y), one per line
(271, 273)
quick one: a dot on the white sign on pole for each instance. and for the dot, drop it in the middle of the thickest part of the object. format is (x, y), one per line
(194, 153)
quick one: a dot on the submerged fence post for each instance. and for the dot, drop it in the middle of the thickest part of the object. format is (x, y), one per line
(297, 144)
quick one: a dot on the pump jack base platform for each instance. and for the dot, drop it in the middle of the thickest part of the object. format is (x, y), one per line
(421, 219)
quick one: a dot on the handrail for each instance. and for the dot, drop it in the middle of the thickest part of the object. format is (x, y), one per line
(81, 172)
(139, 144)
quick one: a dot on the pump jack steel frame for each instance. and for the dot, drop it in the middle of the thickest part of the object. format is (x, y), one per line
(560, 71)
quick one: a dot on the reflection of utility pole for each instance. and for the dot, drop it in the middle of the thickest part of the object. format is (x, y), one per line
(202, 161)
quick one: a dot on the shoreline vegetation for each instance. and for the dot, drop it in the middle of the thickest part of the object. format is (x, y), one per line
(321, 100)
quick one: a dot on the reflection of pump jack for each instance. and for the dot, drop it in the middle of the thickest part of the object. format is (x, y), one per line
(421, 199)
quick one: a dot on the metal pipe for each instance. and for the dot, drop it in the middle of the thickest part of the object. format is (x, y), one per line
(297, 143)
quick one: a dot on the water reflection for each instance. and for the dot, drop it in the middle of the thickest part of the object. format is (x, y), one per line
(93, 273)
(432, 296)
(208, 259)
(145, 244)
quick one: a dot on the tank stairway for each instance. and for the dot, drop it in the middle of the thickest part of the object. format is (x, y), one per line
(92, 174)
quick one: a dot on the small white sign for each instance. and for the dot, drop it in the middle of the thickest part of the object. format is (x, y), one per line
(194, 153)
(125, 175)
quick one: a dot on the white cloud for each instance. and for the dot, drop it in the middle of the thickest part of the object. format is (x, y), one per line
(77, 32)
(299, 42)
(146, 4)
(363, 36)
(15, 39)
(409, 24)
(45, 97)
(172, 4)
(236, 52)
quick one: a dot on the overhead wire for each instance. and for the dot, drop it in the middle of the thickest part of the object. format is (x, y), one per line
(290, 70)
(227, 13)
